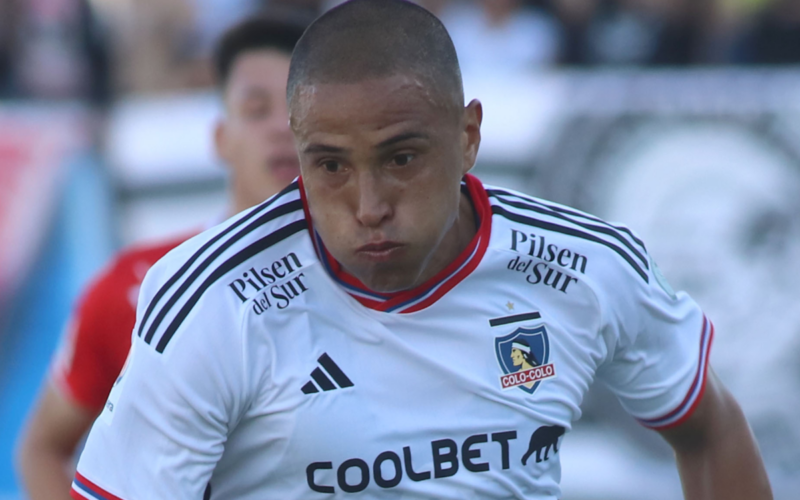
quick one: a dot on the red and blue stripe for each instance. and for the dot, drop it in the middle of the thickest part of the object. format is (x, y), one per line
(680, 414)
(83, 489)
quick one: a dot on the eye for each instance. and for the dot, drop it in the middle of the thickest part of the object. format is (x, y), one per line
(331, 166)
(402, 159)
(256, 109)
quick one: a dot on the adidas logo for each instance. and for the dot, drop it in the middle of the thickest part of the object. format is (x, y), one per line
(322, 379)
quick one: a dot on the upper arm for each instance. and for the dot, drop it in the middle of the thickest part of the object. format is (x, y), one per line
(658, 361)
(96, 340)
(658, 366)
(161, 431)
(716, 453)
(56, 426)
(164, 426)
(716, 413)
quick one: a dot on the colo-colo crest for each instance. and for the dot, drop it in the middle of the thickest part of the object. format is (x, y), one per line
(524, 357)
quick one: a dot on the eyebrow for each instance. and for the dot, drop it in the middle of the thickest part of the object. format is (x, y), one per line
(324, 148)
(401, 138)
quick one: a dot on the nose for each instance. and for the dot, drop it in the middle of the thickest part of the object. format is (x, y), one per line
(373, 205)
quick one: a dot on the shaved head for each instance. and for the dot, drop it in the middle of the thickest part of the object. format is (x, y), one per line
(384, 139)
(371, 39)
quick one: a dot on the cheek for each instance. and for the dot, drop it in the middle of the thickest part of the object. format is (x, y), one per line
(330, 216)
(250, 135)
(436, 196)
(238, 141)
(425, 214)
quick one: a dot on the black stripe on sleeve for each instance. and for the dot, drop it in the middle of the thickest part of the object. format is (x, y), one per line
(166, 286)
(334, 370)
(571, 232)
(247, 253)
(603, 229)
(561, 210)
(285, 209)
(505, 320)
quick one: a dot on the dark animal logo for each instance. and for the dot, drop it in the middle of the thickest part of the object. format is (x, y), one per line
(541, 440)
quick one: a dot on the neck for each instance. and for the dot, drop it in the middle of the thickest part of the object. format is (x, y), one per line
(454, 242)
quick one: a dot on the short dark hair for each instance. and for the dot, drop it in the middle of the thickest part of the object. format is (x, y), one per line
(363, 39)
(279, 32)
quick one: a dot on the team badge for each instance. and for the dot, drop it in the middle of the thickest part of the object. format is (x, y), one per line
(524, 357)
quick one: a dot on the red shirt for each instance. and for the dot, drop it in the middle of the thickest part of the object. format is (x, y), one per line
(98, 334)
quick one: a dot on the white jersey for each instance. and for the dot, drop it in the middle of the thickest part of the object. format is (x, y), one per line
(260, 369)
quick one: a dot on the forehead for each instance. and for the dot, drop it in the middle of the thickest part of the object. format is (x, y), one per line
(369, 105)
(258, 68)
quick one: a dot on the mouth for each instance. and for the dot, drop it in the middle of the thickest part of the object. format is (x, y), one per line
(380, 251)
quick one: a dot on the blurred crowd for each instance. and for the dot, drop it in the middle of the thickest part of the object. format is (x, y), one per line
(95, 49)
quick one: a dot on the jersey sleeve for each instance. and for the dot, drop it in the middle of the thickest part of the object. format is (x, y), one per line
(660, 345)
(96, 340)
(166, 421)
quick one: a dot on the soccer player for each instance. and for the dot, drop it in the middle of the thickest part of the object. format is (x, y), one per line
(304, 349)
(254, 140)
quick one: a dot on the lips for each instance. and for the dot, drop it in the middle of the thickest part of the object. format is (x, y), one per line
(380, 251)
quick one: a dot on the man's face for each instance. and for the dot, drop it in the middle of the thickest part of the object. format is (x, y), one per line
(516, 357)
(382, 161)
(254, 138)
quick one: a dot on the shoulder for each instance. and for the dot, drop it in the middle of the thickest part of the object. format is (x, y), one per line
(202, 269)
(602, 250)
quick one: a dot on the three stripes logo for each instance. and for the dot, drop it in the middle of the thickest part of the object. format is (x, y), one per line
(323, 378)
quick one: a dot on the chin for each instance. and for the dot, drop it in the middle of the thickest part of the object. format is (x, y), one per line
(387, 282)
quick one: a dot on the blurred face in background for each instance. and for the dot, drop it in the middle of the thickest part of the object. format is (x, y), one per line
(575, 11)
(253, 138)
(499, 10)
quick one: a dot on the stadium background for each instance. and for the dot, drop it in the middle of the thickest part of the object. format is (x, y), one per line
(679, 117)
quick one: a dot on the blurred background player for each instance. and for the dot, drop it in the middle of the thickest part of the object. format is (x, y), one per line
(254, 140)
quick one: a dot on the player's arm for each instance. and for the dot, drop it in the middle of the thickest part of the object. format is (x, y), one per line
(75, 391)
(164, 426)
(166, 421)
(48, 444)
(716, 453)
(658, 367)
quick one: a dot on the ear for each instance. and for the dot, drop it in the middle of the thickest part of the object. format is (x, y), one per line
(473, 116)
(221, 146)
